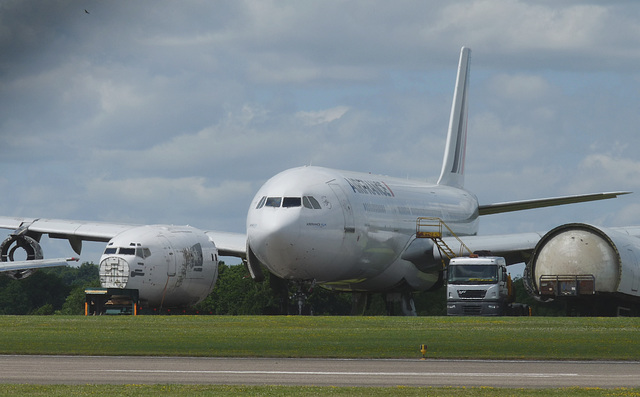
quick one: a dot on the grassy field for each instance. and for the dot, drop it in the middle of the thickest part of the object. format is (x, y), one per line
(342, 337)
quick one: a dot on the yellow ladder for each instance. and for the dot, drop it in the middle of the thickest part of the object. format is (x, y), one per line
(431, 227)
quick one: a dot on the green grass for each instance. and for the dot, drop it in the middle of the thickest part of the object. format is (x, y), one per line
(368, 337)
(342, 337)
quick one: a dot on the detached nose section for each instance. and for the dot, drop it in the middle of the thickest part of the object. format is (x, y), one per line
(114, 272)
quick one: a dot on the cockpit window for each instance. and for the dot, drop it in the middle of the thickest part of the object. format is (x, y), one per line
(311, 202)
(143, 252)
(273, 202)
(127, 251)
(139, 251)
(291, 202)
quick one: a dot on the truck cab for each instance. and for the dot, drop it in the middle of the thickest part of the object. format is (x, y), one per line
(478, 286)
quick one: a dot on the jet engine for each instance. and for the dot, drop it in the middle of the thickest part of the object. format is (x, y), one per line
(578, 260)
(20, 241)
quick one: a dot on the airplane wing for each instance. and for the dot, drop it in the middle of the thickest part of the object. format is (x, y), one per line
(60, 228)
(74, 231)
(633, 231)
(510, 206)
(515, 248)
(229, 244)
(518, 247)
(34, 264)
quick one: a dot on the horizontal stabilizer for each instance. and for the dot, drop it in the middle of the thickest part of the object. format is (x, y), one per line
(510, 206)
(35, 264)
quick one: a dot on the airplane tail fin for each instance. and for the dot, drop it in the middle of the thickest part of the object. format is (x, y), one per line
(452, 173)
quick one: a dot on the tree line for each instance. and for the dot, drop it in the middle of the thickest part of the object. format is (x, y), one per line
(61, 291)
(57, 290)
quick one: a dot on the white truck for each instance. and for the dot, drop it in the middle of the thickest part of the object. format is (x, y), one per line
(480, 286)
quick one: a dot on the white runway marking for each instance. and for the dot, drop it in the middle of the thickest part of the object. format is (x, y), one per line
(330, 373)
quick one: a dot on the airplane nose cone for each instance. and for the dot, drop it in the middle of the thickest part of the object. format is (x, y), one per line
(274, 241)
(114, 272)
(294, 248)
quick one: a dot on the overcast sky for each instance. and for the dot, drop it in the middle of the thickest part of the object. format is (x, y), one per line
(177, 112)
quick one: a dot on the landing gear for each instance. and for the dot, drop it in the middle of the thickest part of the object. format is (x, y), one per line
(292, 296)
(303, 289)
(405, 299)
(408, 306)
(359, 303)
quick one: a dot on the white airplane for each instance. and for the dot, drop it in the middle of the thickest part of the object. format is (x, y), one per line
(170, 266)
(344, 230)
(356, 232)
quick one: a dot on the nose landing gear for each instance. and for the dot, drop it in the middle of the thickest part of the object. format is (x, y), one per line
(303, 289)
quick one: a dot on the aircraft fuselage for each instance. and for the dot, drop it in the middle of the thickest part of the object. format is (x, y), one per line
(171, 266)
(348, 230)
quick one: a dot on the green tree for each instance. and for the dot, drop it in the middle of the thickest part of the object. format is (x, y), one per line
(74, 304)
(431, 303)
(78, 279)
(322, 301)
(44, 288)
(46, 291)
(44, 310)
(86, 273)
(237, 294)
(13, 298)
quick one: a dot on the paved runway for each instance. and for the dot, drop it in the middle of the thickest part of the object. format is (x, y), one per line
(272, 371)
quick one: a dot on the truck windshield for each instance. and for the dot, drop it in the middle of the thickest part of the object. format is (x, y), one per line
(472, 274)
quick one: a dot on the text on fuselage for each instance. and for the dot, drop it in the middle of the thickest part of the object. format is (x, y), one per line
(369, 187)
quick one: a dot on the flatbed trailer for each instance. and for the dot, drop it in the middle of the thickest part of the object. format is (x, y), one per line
(111, 301)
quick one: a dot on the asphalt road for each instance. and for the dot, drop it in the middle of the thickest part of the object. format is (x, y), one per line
(320, 372)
